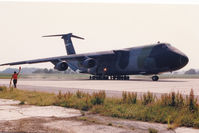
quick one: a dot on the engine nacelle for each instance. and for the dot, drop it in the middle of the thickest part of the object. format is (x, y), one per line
(61, 66)
(89, 63)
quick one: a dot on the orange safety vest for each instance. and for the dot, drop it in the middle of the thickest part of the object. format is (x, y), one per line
(14, 76)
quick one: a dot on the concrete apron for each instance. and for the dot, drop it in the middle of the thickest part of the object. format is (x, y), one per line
(10, 110)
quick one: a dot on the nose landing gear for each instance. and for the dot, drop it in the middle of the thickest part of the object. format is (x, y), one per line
(155, 78)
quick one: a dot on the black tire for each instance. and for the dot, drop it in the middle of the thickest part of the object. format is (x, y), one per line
(127, 77)
(155, 78)
(93, 78)
(114, 77)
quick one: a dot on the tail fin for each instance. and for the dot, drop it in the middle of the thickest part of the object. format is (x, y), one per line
(68, 42)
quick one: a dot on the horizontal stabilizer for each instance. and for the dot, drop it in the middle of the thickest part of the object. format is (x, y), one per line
(64, 35)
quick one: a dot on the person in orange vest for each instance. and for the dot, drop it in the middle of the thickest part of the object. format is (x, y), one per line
(14, 77)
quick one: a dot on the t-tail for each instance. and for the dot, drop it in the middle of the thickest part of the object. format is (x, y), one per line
(68, 42)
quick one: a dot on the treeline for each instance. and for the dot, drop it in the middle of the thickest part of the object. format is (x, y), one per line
(188, 72)
(191, 71)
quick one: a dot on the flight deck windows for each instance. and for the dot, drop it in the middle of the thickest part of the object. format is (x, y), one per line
(164, 46)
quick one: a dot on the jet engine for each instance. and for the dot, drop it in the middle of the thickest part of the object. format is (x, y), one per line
(89, 63)
(61, 66)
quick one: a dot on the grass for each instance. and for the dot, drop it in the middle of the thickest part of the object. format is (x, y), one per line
(172, 109)
(110, 124)
(30, 97)
(152, 130)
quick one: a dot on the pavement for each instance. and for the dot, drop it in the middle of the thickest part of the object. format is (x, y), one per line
(27, 118)
(10, 110)
(113, 88)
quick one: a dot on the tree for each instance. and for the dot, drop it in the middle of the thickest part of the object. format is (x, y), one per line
(191, 71)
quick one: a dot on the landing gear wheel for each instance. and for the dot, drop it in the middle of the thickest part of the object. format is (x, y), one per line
(126, 77)
(104, 77)
(114, 77)
(92, 77)
(155, 78)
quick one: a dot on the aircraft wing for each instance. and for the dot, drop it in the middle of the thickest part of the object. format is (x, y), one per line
(66, 58)
(51, 59)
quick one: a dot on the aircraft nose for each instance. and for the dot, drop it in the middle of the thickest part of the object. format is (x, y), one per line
(184, 60)
(178, 60)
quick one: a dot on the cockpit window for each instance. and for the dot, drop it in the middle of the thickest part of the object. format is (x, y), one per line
(164, 46)
(176, 50)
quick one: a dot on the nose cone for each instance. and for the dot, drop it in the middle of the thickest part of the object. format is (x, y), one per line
(179, 59)
(184, 60)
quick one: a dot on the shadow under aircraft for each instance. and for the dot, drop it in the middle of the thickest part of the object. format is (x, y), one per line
(117, 64)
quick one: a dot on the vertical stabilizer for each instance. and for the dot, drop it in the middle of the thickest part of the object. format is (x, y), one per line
(68, 42)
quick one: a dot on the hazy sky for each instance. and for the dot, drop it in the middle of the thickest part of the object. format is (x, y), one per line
(104, 26)
(118, 1)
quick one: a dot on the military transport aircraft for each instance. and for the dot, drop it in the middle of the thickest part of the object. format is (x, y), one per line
(117, 64)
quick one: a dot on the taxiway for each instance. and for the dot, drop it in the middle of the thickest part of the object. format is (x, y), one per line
(111, 87)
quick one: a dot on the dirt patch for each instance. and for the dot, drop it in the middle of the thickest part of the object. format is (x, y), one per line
(27, 125)
(80, 124)
(83, 127)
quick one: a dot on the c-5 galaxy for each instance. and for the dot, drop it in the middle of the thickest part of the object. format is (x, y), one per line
(117, 64)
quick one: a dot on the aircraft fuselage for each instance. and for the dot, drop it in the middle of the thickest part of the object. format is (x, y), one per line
(145, 60)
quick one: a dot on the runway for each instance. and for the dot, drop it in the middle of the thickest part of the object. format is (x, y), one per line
(112, 87)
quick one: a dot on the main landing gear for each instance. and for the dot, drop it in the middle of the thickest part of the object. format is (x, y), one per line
(155, 78)
(115, 77)
(97, 77)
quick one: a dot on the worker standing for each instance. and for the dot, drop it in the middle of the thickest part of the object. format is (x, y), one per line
(14, 77)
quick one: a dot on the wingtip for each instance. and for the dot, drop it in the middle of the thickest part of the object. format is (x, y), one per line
(3, 64)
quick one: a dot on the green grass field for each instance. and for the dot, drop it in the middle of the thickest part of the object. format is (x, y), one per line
(173, 108)
(5, 76)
